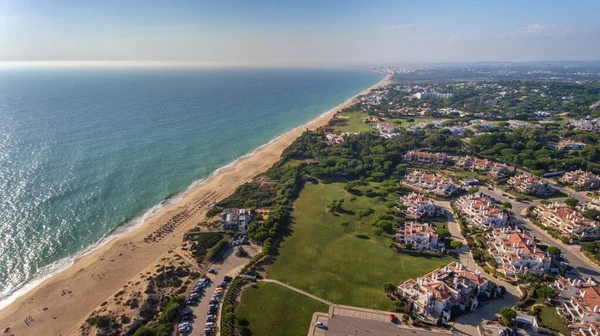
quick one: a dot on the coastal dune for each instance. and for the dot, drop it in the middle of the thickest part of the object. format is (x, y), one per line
(60, 305)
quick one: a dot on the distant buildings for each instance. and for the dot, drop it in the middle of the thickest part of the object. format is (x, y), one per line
(566, 221)
(495, 169)
(421, 236)
(581, 180)
(235, 219)
(542, 114)
(479, 210)
(428, 182)
(418, 206)
(433, 95)
(426, 157)
(565, 144)
(530, 185)
(442, 291)
(386, 129)
(516, 253)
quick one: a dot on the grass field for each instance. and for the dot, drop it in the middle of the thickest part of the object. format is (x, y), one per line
(346, 265)
(272, 310)
(551, 320)
(354, 122)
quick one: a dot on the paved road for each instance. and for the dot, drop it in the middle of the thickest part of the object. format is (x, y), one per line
(231, 265)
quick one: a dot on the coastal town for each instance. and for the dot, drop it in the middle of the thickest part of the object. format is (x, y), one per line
(427, 209)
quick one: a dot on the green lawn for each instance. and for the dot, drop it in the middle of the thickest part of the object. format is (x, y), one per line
(403, 122)
(346, 265)
(551, 320)
(354, 123)
(271, 310)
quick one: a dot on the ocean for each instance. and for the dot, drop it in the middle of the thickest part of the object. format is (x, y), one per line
(87, 154)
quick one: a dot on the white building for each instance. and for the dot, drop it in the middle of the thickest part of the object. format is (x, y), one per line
(516, 252)
(580, 303)
(581, 180)
(433, 95)
(530, 185)
(426, 157)
(235, 219)
(437, 292)
(421, 236)
(429, 182)
(566, 221)
(479, 210)
(418, 206)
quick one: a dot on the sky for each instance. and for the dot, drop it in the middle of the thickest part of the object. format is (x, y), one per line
(294, 32)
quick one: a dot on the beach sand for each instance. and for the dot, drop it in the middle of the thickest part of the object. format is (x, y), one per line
(70, 296)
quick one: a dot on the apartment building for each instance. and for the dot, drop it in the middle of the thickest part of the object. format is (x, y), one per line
(516, 252)
(580, 303)
(582, 180)
(566, 221)
(530, 185)
(418, 206)
(565, 144)
(495, 169)
(426, 157)
(430, 182)
(439, 291)
(479, 210)
(421, 236)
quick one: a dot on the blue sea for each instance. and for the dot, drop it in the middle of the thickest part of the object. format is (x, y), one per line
(87, 153)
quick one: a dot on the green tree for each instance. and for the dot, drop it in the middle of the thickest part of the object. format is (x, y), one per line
(572, 202)
(506, 205)
(545, 292)
(377, 231)
(240, 252)
(455, 244)
(554, 251)
(508, 315)
(473, 190)
(145, 331)
(389, 287)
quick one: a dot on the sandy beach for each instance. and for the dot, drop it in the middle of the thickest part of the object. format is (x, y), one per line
(61, 304)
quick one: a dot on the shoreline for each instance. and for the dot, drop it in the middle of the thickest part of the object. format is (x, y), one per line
(126, 246)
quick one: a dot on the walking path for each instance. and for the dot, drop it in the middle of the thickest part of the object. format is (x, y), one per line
(329, 303)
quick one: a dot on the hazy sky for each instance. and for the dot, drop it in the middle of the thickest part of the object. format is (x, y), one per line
(299, 32)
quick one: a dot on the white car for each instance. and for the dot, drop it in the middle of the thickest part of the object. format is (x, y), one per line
(184, 324)
(185, 329)
(320, 325)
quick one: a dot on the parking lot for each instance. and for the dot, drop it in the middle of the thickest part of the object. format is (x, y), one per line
(345, 325)
(229, 267)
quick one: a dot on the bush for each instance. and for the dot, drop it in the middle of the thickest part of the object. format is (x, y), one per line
(216, 251)
(145, 331)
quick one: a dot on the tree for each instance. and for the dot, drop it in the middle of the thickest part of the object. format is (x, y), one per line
(508, 315)
(554, 251)
(506, 205)
(377, 231)
(455, 244)
(241, 253)
(344, 224)
(389, 287)
(145, 331)
(572, 202)
(591, 213)
(545, 292)
(473, 190)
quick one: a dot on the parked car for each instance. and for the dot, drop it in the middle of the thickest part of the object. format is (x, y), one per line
(211, 318)
(186, 317)
(392, 318)
(224, 283)
(213, 306)
(209, 331)
(209, 324)
(320, 325)
(185, 330)
(212, 271)
(227, 278)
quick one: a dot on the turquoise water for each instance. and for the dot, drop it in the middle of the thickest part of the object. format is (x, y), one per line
(84, 151)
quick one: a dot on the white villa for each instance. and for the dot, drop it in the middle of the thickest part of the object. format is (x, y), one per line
(581, 179)
(516, 252)
(429, 182)
(422, 236)
(566, 221)
(580, 304)
(418, 206)
(479, 210)
(530, 185)
(437, 292)
(426, 157)
(495, 169)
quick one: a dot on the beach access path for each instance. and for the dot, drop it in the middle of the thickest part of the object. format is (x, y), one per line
(97, 276)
